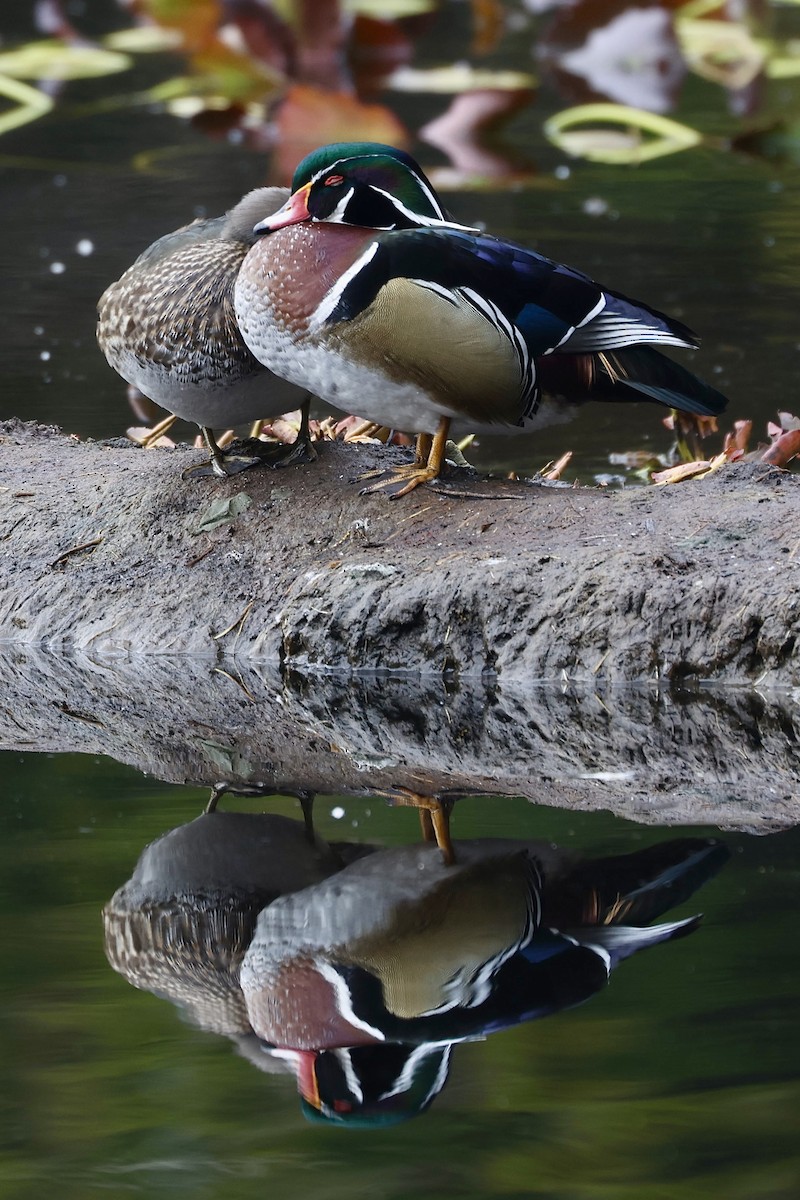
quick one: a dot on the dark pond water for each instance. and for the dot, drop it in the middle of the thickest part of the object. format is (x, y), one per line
(679, 1079)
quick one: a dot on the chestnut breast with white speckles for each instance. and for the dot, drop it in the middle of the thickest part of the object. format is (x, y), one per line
(288, 273)
(295, 1006)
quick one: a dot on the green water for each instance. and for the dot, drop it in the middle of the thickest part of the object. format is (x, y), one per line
(680, 1079)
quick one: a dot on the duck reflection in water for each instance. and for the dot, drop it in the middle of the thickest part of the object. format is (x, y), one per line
(360, 968)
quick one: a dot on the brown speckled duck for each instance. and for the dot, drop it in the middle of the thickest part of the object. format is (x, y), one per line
(181, 924)
(168, 327)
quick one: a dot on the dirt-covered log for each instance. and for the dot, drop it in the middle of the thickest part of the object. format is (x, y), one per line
(105, 547)
(573, 646)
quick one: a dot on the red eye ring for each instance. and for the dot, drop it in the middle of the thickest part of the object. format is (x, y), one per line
(334, 180)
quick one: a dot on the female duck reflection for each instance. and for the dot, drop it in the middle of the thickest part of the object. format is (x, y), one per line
(360, 968)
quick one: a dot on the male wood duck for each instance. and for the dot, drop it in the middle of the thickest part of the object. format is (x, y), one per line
(168, 327)
(366, 294)
(365, 979)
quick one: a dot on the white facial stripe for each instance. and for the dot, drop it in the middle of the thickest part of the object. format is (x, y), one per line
(345, 1061)
(343, 1001)
(330, 169)
(337, 214)
(432, 199)
(398, 204)
(418, 219)
(332, 298)
(418, 1055)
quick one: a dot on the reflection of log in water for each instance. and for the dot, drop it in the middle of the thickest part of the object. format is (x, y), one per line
(365, 966)
(725, 757)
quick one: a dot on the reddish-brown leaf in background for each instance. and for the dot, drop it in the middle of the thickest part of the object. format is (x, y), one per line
(308, 117)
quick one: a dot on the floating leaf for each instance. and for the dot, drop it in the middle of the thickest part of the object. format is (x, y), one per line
(172, 89)
(236, 76)
(309, 116)
(221, 511)
(144, 39)
(457, 78)
(785, 66)
(143, 435)
(739, 439)
(626, 144)
(57, 60)
(553, 470)
(30, 102)
(682, 471)
(721, 51)
(388, 10)
(189, 107)
(697, 470)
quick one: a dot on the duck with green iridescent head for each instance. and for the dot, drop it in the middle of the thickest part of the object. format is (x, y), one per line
(365, 981)
(366, 294)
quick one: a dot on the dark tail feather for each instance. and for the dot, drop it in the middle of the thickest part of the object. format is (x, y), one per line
(635, 889)
(621, 941)
(638, 372)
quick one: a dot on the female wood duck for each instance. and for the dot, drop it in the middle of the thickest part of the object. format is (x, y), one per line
(365, 980)
(168, 327)
(181, 924)
(366, 294)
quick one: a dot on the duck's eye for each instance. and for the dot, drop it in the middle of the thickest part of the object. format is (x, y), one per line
(334, 180)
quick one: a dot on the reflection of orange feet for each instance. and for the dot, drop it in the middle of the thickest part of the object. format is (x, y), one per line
(434, 818)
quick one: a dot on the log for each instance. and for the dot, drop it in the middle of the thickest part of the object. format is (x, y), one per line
(572, 645)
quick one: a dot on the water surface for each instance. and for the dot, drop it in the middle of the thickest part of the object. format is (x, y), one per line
(678, 1079)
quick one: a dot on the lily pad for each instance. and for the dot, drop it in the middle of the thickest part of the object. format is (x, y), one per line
(388, 10)
(634, 136)
(53, 59)
(144, 39)
(30, 103)
(457, 78)
(723, 52)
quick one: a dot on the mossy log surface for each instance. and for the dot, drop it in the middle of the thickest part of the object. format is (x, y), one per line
(629, 650)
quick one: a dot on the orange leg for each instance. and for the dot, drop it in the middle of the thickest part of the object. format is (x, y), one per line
(427, 465)
(422, 450)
